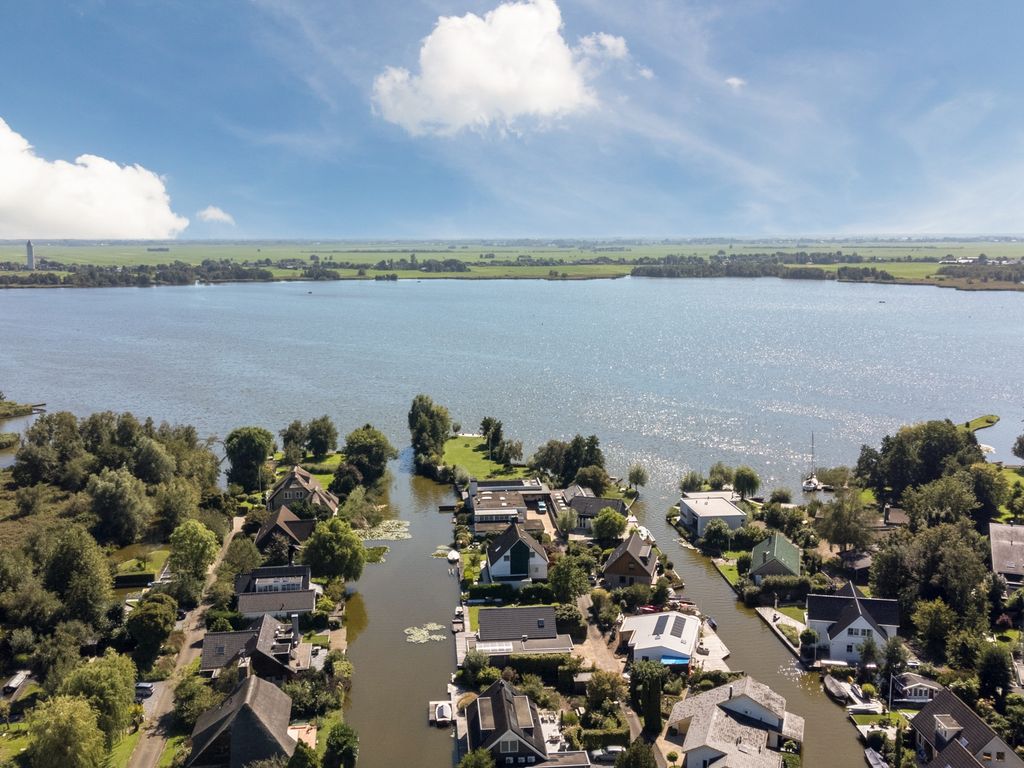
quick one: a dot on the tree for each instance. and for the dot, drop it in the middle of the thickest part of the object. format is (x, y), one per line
(869, 652)
(746, 481)
(278, 551)
(333, 550)
(193, 549)
(719, 476)
(943, 500)
(604, 686)
(429, 425)
(963, 649)
(192, 697)
(1018, 447)
(346, 479)
(368, 450)
(118, 499)
(566, 521)
(247, 449)
(5, 713)
(342, 747)
(304, 757)
(994, 673)
(609, 525)
(64, 731)
(639, 754)
(242, 555)
(151, 622)
(295, 435)
(151, 462)
(646, 680)
(990, 489)
(637, 475)
(478, 758)
(716, 535)
(321, 436)
(108, 684)
(894, 660)
(845, 522)
(493, 433)
(567, 579)
(932, 620)
(691, 482)
(78, 572)
(175, 502)
(360, 511)
(593, 477)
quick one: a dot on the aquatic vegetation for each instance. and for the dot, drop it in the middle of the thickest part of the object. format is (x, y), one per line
(425, 634)
(387, 530)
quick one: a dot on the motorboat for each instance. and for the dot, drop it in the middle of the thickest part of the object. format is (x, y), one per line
(443, 714)
(453, 556)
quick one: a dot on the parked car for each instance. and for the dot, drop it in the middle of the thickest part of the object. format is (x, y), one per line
(144, 690)
(606, 755)
(182, 613)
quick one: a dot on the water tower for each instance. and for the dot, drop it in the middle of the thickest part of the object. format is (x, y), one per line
(30, 259)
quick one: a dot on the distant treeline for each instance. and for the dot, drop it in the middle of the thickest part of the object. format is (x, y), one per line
(178, 273)
(734, 266)
(1009, 273)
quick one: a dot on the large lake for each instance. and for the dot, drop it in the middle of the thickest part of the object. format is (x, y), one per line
(674, 373)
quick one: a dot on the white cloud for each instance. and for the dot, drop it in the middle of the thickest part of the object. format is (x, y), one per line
(212, 213)
(735, 82)
(477, 72)
(91, 198)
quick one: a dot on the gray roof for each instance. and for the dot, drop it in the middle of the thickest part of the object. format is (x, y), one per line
(294, 601)
(1007, 542)
(534, 621)
(499, 709)
(245, 582)
(267, 637)
(638, 549)
(912, 679)
(591, 506)
(285, 523)
(974, 732)
(508, 538)
(843, 608)
(255, 718)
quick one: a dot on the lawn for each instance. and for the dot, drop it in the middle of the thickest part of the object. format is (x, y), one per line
(173, 744)
(795, 612)
(139, 558)
(469, 453)
(327, 722)
(13, 740)
(729, 571)
(317, 638)
(892, 718)
(790, 633)
(322, 470)
(474, 617)
(1008, 637)
(472, 561)
(122, 751)
(982, 422)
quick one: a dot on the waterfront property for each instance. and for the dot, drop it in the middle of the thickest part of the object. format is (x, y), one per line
(775, 556)
(508, 725)
(277, 590)
(742, 723)
(587, 507)
(844, 620)
(669, 638)
(696, 510)
(268, 649)
(497, 503)
(515, 557)
(1007, 543)
(527, 629)
(248, 726)
(632, 562)
(949, 733)
(286, 524)
(299, 485)
(915, 689)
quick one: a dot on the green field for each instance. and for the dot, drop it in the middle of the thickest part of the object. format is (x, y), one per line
(982, 422)
(470, 454)
(323, 470)
(141, 557)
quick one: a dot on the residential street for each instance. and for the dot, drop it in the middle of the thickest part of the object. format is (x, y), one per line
(154, 733)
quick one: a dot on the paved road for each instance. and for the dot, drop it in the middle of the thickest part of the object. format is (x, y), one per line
(154, 735)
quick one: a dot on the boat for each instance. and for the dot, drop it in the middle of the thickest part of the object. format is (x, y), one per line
(811, 483)
(453, 556)
(443, 714)
(645, 533)
(712, 623)
(874, 759)
(835, 689)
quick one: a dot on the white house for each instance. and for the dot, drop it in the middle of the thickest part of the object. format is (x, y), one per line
(846, 619)
(696, 513)
(515, 556)
(914, 688)
(670, 637)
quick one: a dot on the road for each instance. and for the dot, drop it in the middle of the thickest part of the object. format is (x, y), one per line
(154, 734)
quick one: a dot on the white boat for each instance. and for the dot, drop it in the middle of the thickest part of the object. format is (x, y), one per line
(453, 556)
(443, 714)
(645, 533)
(811, 483)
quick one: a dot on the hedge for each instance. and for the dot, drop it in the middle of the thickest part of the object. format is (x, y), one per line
(504, 592)
(599, 739)
(543, 664)
(127, 580)
(536, 594)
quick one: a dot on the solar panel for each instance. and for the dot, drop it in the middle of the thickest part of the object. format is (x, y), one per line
(495, 649)
(523, 714)
(659, 627)
(678, 626)
(486, 709)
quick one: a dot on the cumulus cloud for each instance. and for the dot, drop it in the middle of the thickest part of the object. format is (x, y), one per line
(478, 72)
(212, 213)
(90, 198)
(735, 82)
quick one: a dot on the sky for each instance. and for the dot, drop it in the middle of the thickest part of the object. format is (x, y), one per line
(232, 119)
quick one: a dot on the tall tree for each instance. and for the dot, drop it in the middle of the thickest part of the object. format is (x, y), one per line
(933, 619)
(604, 687)
(108, 684)
(151, 462)
(151, 622)
(745, 481)
(64, 732)
(248, 448)
(690, 482)
(368, 450)
(639, 754)
(719, 476)
(193, 549)
(845, 522)
(342, 747)
(295, 435)
(78, 572)
(593, 477)
(943, 500)
(1018, 447)
(429, 424)
(175, 502)
(567, 579)
(646, 680)
(321, 436)
(478, 758)
(119, 501)
(994, 673)
(637, 475)
(608, 526)
(566, 521)
(333, 550)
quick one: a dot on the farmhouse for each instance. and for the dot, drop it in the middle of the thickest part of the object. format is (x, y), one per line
(299, 485)
(589, 507)
(268, 649)
(286, 524)
(528, 629)
(948, 732)
(278, 590)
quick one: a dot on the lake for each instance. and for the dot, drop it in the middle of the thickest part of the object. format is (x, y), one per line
(675, 374)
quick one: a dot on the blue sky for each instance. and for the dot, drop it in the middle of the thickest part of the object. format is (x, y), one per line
(591, 118)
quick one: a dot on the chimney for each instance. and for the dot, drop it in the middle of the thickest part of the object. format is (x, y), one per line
(296, 635)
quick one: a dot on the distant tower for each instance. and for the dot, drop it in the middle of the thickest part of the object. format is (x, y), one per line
(30, 259)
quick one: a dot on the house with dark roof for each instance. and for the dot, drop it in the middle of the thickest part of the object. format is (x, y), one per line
(844, 620)
(589, 507)
(518, 629)
(506, 723)
(278, 590)
(286, 524)
(775, 556)
(299, 485)
(632, 562)
(268, 649)
(250, 725)
(912, 688)
(950, 733)
(1007, 544)
(742, 723)
(515, 557)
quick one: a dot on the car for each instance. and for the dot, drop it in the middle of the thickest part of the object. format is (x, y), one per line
(182, 614)
(606, 755)
(144, 690)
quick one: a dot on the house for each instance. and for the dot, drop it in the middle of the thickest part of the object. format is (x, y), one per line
(949, 733)
(742, 723)
(589, 507)
(775, 556)
(268, 649)
(912, 688)
(250, 725)
(278, 590)
(526, 629)
(516, 556)
(507, 724)
(696, 513)
(1007, 544)
(299, 485)
(670, 637)
(844, 620)
(286, 524)
(632, 562)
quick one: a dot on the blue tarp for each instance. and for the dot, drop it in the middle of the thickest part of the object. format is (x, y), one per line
(670, 661)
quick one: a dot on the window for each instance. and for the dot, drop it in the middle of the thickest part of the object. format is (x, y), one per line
(851, 631)
(849, 649)
(508, 745)
(986, 756)
(509, 760)
(1000, 755)
(522, 761)
(531, 760)
(506, 558)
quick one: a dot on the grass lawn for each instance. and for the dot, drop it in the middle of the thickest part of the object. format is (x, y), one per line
(324, 727)
(1008, 637)
(469, 453)
(474, 617)
(322, 470)
(729, 571)
(892, 718)
(867, 497)
(122, 751)
(733, 554)
(317, 638)
(795, 612)
(471, 572)
(173, 744)
(982, 422)
(790, 760)
(149, 558)
(790, 633)
(13, 740)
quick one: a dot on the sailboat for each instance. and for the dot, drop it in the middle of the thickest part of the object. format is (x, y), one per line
(811, 483)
